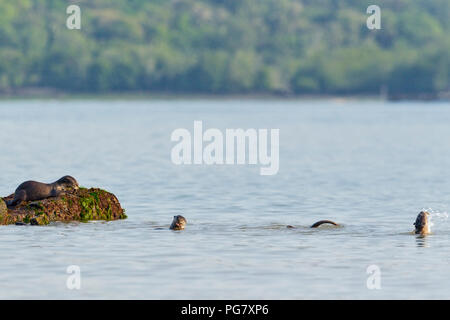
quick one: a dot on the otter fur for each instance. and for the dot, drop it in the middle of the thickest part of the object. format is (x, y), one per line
(422, 224)
(178, 223)
(318, 223)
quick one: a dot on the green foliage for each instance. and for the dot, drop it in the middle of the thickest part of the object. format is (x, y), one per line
(226, 46)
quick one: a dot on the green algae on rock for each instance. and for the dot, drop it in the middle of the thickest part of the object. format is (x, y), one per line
(3, 208)
(80, 205)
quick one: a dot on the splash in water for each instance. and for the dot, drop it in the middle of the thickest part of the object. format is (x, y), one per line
(436, 216)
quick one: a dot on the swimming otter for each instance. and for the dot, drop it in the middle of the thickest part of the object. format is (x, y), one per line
(318, 223)
(32, 190)
(178, 223)
(422, 224)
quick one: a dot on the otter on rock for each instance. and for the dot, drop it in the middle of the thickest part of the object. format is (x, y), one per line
(32, 190)
(422, 224)
(178, 223)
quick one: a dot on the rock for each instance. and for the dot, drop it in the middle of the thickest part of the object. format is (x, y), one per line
(3, 208)
(80, 205)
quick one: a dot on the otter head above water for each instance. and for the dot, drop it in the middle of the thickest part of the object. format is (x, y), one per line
(178, 223)
(422, 223)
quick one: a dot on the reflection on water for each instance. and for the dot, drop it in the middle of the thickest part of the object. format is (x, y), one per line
(422, 241)
(367, 165)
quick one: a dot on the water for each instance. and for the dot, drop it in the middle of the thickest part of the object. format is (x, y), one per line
(371, 166)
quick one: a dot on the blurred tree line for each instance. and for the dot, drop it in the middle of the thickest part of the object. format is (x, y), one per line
(226, 46)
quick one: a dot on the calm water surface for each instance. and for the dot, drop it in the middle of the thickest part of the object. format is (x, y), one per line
(371, 166)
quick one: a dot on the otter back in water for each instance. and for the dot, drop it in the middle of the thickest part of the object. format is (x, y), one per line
(33, 190)
(318, 223)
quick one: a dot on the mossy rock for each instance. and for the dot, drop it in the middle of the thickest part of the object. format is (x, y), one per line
(3, 208)
(80, 205)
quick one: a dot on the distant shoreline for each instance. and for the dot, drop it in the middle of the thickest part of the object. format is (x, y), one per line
(49, 94)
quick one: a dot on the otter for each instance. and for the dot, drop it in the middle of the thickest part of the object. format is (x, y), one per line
(318, 223)
(32, 190)
(422, 224)
(178, 223)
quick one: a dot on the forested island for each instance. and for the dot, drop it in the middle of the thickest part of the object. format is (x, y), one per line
(285, 47)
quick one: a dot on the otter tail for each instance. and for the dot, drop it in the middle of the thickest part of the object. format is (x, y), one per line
(318, 223)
